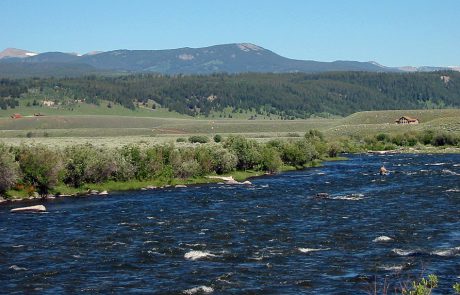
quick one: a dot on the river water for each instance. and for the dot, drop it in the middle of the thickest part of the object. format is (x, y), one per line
(272, 237)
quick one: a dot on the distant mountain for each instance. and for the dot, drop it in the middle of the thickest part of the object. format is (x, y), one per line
(46, 69)
(16, 53)
(229, 58)
(427, 69)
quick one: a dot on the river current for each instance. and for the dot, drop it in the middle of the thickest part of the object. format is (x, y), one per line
(272, 237)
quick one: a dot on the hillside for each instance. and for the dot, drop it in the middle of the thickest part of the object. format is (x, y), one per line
(227, 58)
(288, 96)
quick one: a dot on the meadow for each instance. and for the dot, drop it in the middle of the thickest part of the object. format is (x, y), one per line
(119, 126)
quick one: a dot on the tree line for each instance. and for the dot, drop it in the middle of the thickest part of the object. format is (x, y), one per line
(41, 169)
(293, 95)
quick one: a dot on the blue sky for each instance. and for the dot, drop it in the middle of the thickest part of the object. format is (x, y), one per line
(394, 33)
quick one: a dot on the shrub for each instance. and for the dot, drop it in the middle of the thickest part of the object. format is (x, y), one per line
(204, 157)
(223, 160)
(9, 170)
(166, 174)
(40, 166)
(181, 139)
(382, 137)
(441, 139)
(298, 153)
(422, 287)
(88, 164)
(247, 151)
(198, 139)
(217, 138)
(314, 134)
(189, 168)
(334, 149)
(426, 137)
(456, 288)
(270, 159)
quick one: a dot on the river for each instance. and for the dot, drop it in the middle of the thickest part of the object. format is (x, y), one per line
(272, 237)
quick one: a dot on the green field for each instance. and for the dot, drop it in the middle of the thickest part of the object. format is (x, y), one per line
(118, 126)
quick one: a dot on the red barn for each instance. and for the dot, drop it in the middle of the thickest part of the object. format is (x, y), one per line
(16, 116)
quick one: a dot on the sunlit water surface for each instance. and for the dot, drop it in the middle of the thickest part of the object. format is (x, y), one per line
(273, 237)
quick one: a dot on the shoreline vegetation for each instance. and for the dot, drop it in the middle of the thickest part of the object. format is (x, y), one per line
(31, 172)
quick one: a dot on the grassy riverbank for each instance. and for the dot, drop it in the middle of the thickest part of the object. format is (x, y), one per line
(33, 171)
(118, 186)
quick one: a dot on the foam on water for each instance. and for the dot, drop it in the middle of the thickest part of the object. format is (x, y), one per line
(402, 252)
(309, 250)
(450, 172)
(392, 267)
(382, 239)
(195, 255)
(17, 268)
(199, 289)
(436, 164)
(446, 252)
(352, 197)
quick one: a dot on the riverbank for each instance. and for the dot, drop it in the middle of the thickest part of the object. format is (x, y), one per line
(106, 188)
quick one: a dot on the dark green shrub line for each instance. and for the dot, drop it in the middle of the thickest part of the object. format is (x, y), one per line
(40, 169)
(384, 141)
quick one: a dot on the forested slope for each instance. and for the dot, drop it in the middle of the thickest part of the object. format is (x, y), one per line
(289, 95)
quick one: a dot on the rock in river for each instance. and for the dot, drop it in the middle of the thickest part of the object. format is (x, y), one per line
(37, 208)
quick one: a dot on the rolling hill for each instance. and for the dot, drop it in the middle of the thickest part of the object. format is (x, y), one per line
(228, 58)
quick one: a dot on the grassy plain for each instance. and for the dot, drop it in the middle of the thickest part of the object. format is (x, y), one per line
(117, 126)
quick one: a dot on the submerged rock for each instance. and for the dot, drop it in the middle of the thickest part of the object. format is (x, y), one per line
(17, 268)
(382, 239)
(231, 181)
(37, 208)
(322, 195)
(195, 255)
(199, 290)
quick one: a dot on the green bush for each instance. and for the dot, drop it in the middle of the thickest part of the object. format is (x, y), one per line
(382, 137)
(204, 157)
(426, 137)
(223, 160)
(217, 138)
(198, 139)
(422, 287)
(442, 139)
(298, 153)
(40, 166)
(247, 151)
(333, 149)
(9, 170)
(189, 168)
(181, 139)
(270, 159)
(314, 134)
(456, 288)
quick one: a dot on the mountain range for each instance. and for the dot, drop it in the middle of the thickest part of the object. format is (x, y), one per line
(229, 58)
